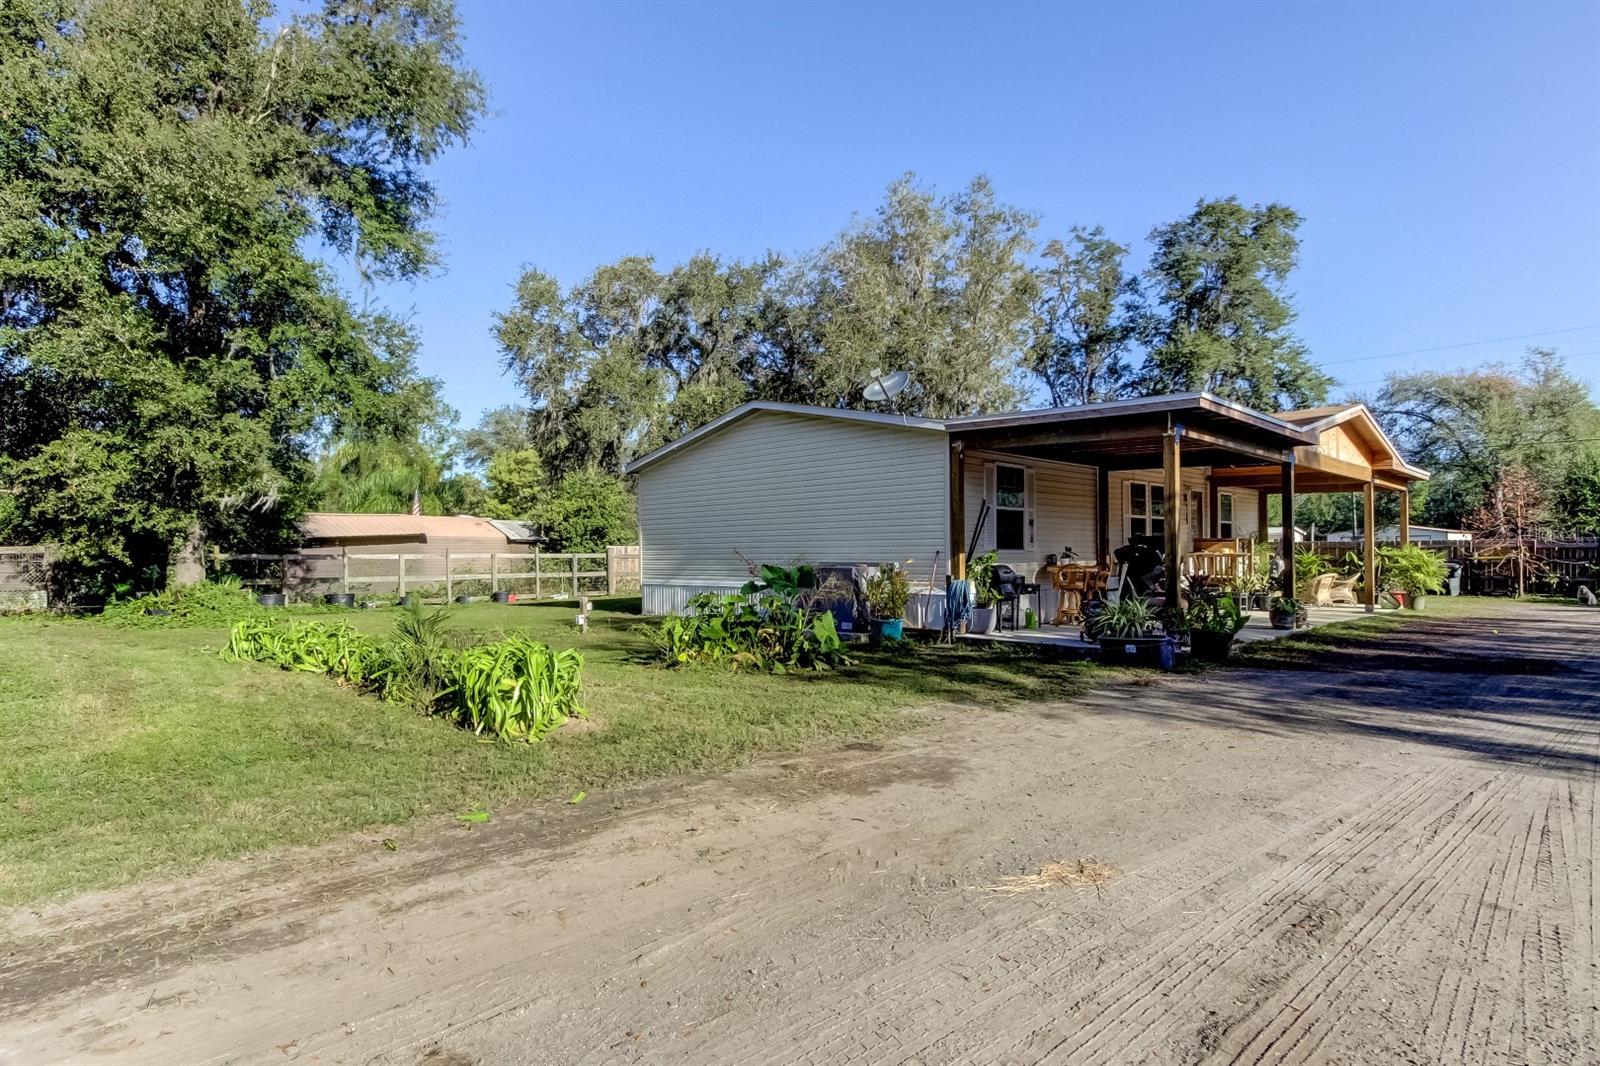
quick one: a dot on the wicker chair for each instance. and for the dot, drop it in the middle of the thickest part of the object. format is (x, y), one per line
(1317, 592)
(1343, 590)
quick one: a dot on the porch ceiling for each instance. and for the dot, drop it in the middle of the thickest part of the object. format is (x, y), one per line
(1132, 439)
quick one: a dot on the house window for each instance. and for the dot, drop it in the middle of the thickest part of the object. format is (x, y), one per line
(1195, 501)
(1010, 508)
(1147, 509)
(1225, 515)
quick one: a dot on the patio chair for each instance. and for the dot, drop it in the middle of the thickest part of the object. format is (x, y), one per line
(1071, 583)
(1343, 590)
(1317, 591)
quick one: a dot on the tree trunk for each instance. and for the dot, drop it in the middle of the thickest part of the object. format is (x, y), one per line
(186, 563)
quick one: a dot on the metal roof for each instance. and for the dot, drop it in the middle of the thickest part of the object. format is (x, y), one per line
(332, 525)
(745, 410)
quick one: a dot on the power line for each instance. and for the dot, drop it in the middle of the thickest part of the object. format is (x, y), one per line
(1463, 344)
(1446, 370)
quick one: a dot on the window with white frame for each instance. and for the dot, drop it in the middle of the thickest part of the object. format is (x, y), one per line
(1225, 515)
(1010, 507)
(1147, 509)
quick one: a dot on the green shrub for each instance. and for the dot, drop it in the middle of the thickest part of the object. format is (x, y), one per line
(516, 688)
(1128, 618)
(210, 603)
(1413, 569)
(315, 647)
(888, 592)
(768, 632)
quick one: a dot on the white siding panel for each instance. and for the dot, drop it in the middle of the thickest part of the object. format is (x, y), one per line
(780, 488)
(1062, 503)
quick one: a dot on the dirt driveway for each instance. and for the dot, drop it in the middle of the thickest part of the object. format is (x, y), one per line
(1386, 858)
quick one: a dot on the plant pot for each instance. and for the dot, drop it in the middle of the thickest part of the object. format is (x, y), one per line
(340, 599)
(501, 597)
(1160, 652)
(888, 629)
(985, 620)
(158, 612)
(463, 599)
(271, 599)
(405, 601)
(1288, 619)
(1417, 602)
(1209, 646)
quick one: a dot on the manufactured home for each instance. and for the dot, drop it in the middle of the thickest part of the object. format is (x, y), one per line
(779, 483)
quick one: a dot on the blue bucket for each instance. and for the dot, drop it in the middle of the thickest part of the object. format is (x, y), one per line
(888, 628)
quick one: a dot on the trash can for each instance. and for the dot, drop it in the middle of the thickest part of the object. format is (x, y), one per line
(1452, 579)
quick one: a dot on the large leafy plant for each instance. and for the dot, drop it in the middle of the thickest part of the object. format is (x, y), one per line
(1129, 617)
(1216, 615)
(1413, 569)
(516, 688)
(980, 571)
(766, 632)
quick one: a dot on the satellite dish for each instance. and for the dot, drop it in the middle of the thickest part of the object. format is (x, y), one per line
(884, 387)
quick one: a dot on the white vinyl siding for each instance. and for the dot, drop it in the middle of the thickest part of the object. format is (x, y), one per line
(1060, 508)
(783, 488)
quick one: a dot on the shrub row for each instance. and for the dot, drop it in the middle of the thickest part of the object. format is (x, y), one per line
(516, 688)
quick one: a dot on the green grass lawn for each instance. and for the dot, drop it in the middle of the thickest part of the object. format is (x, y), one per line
(132, 751)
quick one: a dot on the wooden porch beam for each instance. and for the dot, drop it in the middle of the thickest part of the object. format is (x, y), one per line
(1150, 434)
(1369, 545)
(1287, 488)
(1233, 444)
(1102, 516)
(1172, 516)
(958, 511)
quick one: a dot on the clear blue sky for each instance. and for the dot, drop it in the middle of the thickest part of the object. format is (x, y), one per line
(1446, 157)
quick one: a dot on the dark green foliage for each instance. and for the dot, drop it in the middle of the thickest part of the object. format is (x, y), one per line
(1413, 569)
(1086, 328)
(587, 511)
(980, 571)
(169, 353)
(1216, 614)
(1219, 317)
(768, 632)
(211, 603)
(1469, 427)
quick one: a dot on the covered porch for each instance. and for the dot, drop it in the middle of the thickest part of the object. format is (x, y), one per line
(1149, 469)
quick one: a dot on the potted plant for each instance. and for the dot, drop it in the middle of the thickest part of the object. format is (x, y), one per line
(1414, 571)
(888, 592)
(980, 571)
(1287, 613)
(1128, 634)
(1213, 623)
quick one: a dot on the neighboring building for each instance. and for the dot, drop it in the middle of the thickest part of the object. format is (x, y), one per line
(1275, 534)
(775, 483)
(421, 533)
(1419, 535)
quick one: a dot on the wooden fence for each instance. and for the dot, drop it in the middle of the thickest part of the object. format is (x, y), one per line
(24, 578)
(443, 574)
(1561, 565)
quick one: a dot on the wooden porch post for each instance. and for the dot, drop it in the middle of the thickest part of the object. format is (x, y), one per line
(958, 511)
(1263, 522)
(1288, 530)
(1405, 516)
(1369, 546)
(1102, 516)
(1215, 525)
(1172, 467)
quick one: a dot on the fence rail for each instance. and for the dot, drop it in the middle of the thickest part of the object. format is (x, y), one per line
(1488, 565)
(557, 575)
